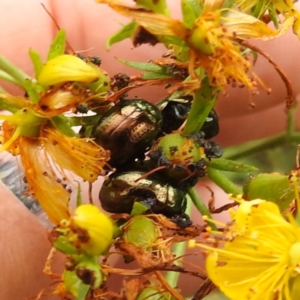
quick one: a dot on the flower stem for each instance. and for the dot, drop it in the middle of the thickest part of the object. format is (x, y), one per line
(249, 148)
(223, 182)
(204, 101)
(200, 205)
(178, 250)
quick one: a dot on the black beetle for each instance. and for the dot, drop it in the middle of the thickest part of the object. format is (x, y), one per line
(122, 189)
(174, 113)
(127, 130)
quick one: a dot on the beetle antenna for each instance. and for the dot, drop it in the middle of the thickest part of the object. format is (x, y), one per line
(150, 172)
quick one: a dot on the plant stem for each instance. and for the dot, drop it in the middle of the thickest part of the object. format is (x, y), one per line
(204, 100)
(200, 205)
(178, 250)
(223, 182)
(249, 148)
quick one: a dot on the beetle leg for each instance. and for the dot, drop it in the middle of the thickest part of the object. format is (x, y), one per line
(182, 220)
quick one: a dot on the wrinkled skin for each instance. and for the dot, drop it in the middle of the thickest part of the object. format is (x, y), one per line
(25, 24)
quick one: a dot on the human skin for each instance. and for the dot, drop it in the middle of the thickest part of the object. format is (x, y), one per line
(25, 25)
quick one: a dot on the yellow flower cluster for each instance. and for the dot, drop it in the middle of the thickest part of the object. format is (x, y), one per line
(260, 258)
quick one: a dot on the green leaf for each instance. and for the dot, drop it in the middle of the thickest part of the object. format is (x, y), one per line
(63, 125)
(33, 90)
(126, 32)
(191, 10)
(36, 61)
(172, 40)
(84, 120)
(272, 187)
(149, 67)
(13, 72)
(157, 6)
(224, 164)
(153, 76)
(6, 77)
(57, 47)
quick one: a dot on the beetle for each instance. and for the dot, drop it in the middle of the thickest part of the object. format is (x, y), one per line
(127, 130)
(122, 189)
(175, 111)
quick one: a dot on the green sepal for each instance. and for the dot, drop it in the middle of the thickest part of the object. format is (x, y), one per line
(126, 32)
(172, 40)
(63, 245)
(191, 10)
(228, 165)
(138, 209)
(63, 125)
(157, 6)
(90, 263)
(272, 187)
(57, 47)
(36, 61)
(74, 285)
(33, 90)
(83, 290)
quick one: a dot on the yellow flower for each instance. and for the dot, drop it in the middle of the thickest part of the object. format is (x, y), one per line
(260, 258)
(46, 152)
(213, 40)
(284, 7)
(90, 230)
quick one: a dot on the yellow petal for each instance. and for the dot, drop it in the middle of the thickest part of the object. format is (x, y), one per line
(66, 68)
(156, 24)
(246, 26)
(42, 180)
(82, 156)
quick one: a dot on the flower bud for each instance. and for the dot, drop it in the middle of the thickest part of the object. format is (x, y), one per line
(66, 68)
(271, 187)
(141, 232)
(91, 230)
